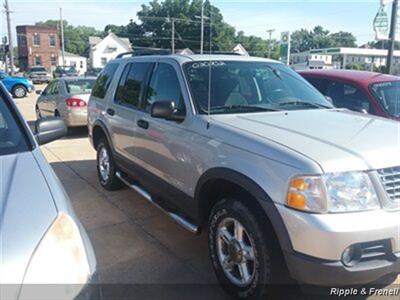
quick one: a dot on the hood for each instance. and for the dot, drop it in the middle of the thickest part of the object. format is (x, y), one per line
(338, 140)
(27, 210)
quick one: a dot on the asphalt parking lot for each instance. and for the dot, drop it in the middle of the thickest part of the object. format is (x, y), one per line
(135, 243)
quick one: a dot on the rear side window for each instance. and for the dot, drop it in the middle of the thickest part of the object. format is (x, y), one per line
(320, 84)
(131, 84)
(104, 80)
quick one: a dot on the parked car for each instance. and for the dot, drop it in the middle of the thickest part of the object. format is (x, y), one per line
(43, 244)
(61, 71)
(19, 87)
(365, 92)
(260, 160)
(38, 75)
(93, 72)
(67, 98)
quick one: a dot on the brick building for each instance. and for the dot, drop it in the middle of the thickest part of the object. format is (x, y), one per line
(38, 45)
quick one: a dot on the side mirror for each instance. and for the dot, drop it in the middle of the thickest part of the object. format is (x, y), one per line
(38, 92)
(49, 129)
(166, 110)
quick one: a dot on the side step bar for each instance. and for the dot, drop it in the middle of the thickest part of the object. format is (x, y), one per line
(178, 219)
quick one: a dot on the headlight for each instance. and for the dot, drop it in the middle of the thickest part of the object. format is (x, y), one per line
(60, 257)
(333, 193)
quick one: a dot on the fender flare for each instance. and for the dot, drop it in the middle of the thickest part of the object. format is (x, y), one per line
(257, 192)
(99, 123)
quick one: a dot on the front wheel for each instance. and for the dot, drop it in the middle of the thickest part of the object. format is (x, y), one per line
(106, 167)
(239, 249)
(19, 91)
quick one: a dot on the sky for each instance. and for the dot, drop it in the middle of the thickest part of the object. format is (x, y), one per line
(253, 17)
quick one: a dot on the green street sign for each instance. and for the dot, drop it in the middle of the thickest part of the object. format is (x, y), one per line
(381, 24)
(285, 47)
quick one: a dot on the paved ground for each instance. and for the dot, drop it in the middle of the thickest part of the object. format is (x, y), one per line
(134, 242)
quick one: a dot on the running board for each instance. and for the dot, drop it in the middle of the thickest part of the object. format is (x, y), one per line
(178, 219)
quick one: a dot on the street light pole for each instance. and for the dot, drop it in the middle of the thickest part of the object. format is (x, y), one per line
(270, 32)
(392, 37)
(10, 40)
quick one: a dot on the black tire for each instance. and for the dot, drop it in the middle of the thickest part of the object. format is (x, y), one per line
(19, 91)
(112, 182)
(262, 245)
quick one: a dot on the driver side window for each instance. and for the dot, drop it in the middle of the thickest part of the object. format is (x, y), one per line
(348, 96)
(164, 85)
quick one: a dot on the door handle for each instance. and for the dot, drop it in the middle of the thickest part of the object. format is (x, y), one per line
(143, 124)
(110, 111)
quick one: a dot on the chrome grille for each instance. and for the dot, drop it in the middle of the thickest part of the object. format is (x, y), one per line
(390, 178)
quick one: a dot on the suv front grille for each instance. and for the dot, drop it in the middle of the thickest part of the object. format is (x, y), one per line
(390, 178)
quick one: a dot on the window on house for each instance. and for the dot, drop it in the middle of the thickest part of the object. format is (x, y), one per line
(37, 61)
(36, 39)
(22, 40)
(103, 61)
(53, 60)
(52, 40)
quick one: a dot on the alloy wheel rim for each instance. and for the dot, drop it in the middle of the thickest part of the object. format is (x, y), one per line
(104, 164)
(236, 252)
(19, 92)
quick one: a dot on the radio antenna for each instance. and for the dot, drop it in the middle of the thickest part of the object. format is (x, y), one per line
(209, 72)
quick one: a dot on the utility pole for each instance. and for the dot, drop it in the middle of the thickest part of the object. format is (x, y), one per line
(62, 38)
(392, 36)
(202, 28)
(173, 35)
(270, 32)
(10, 41)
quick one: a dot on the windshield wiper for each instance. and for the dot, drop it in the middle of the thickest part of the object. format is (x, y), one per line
(244, 107)
(303, 103)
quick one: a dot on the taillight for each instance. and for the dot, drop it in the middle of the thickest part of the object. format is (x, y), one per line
(75, 102)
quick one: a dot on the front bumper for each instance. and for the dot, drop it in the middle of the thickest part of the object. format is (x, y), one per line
(319, 240)
(314, 271)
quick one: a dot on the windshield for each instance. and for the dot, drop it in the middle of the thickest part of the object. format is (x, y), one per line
(37, 69)
(12, 140)
(388, 95)
(80, 86)
(238, 87)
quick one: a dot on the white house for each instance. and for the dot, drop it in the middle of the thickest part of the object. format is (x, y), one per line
(239, 49)
(309, 61)
(103, 50)
(74, 60)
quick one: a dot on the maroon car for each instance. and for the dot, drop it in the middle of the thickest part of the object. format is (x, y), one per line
(366, 92)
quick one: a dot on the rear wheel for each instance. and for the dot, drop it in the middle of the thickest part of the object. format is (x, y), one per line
(19, 91)
(106, 168)
(239, 249)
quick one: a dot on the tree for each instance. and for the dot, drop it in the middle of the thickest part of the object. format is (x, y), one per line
(76, 38)
(304, 40)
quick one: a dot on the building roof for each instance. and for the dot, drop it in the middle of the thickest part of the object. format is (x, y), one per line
(349, 51)
(69, 54)
(351, 75)
(94, 40)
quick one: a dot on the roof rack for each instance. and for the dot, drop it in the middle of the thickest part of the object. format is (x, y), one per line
(143, 51)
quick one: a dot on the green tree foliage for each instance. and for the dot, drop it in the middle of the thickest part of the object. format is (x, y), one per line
(303, 40)
(76, 37)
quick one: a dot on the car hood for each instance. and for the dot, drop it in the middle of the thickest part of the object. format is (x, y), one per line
(338, 140)
(27, 210)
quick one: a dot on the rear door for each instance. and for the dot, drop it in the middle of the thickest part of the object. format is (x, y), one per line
(123, 109)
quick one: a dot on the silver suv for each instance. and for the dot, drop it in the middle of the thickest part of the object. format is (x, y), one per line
(247, 150)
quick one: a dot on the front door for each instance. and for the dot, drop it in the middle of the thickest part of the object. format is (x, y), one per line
(161, 146)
